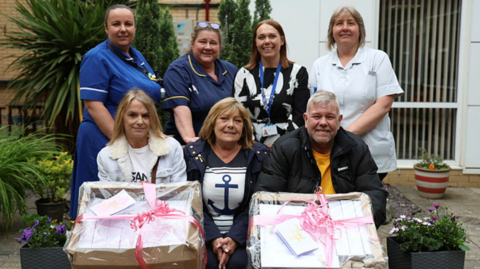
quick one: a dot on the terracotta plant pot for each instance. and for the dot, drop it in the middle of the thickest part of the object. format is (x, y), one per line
(431, 183)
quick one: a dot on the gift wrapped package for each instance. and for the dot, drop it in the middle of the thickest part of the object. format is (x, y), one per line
(291, 230)
(134, 225)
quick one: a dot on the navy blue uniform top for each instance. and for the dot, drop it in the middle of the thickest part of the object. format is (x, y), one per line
(187, 84)
(106, 78)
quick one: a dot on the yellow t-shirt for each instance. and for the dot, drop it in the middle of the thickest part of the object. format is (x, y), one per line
(323, 163)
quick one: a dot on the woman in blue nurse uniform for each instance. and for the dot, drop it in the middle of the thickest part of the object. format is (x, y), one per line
(195, 82)
(107, 72)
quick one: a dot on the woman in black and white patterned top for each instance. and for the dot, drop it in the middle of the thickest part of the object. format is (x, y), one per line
(271, 87)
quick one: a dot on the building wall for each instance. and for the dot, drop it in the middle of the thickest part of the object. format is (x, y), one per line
(7, 8)
(194, 13)
(406, 177)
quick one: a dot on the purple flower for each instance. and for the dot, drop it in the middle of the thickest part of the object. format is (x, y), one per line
(435, 218)
(60, 229)
(35, 225)
(26, 235)
(19, 240)
(431, 209)
(436, 206)
(49, 220)
(45, 234)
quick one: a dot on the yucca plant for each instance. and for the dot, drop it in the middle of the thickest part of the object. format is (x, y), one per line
(52, 37)
(15, 151)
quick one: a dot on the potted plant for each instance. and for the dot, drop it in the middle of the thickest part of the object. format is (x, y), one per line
(55, 170)
(436, 241)
(431, 175)
(15, 150)
(44, 240)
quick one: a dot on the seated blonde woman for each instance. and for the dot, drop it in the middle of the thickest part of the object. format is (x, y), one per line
(138, 150)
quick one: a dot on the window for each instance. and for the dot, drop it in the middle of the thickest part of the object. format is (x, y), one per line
(421, 38)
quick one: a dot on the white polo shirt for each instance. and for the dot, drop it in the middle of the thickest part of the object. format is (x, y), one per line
(367, 77)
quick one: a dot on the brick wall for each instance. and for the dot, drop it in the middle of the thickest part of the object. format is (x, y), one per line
(406, 177)
(196, 14)
(7, 7)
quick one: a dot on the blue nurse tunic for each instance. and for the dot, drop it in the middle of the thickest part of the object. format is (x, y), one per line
(106, 78)
(187, 84)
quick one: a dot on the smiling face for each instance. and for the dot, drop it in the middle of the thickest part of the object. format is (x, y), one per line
(120, 28)
(346, 31)
(136, 123)
(228, 128)
(269, 41)
(322, 123)
(206, 47)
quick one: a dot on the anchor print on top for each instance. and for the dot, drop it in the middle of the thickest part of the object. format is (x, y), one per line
(223, 189)
(227, 186)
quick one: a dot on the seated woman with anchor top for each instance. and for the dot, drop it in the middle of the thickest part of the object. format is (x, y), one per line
(227, 162)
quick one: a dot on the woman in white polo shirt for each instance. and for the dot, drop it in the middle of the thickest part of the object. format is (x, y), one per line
(363, 81)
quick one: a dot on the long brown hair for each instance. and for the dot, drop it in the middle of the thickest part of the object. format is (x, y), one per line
(256, 57)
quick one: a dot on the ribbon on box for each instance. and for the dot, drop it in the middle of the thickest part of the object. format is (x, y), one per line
(316, 221)
(159, 209)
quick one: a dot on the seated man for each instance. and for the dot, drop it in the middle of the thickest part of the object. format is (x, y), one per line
(323, 154)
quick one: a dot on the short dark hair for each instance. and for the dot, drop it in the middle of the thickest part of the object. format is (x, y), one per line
(115, 7)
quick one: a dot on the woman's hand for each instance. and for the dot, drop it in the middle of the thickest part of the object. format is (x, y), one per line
(101, 116)
(372, 116)
(224, 248)
(183, 121)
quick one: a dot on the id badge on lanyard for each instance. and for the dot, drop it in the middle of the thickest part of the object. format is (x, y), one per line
(269, 129)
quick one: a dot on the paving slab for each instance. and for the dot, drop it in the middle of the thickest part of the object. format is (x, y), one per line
(464, 202)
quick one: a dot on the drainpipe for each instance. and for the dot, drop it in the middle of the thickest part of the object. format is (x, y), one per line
(207, 10)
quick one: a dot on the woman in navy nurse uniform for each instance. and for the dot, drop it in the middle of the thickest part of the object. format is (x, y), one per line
(195, 82)
(107, 72)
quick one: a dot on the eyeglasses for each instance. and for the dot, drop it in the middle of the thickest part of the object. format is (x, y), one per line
(204, 24)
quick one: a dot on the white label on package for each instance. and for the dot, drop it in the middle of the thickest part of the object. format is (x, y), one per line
(114, 204)
(272, 247)
(295, 237)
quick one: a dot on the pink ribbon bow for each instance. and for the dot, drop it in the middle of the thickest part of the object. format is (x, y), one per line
(159, 209)
(316, 221)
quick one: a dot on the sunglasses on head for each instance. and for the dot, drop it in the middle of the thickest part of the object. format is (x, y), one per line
(204, 24)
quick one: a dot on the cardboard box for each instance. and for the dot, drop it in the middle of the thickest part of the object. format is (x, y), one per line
(109, 243)
(353, 249)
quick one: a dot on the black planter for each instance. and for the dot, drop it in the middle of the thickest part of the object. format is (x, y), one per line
(52, 258)
(399, 259)
(53, 210)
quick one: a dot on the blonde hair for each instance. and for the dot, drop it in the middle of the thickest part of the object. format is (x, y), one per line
(140, 95)
(256, 57)
(342, 11)
(228, 106)
(196, 31)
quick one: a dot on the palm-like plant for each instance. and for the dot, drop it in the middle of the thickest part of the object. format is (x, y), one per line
(53, 36)
(15, 150)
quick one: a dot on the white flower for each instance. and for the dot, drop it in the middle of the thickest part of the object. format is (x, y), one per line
(393, 230)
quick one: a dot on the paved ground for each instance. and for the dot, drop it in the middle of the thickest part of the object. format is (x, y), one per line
(464, 202)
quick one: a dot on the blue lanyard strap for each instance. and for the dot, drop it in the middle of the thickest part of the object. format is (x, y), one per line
(268, 105)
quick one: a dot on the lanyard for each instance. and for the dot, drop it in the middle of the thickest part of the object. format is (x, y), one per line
(268, 105)
(143, 70)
